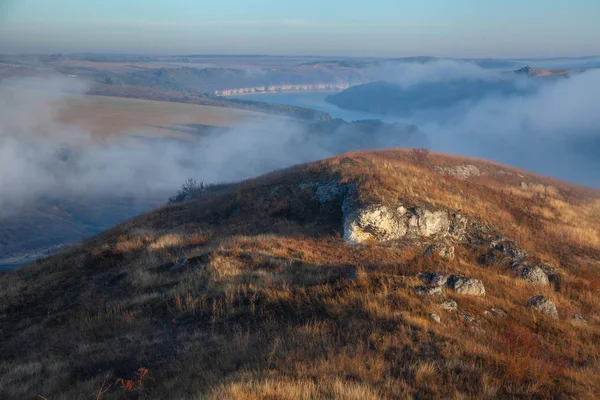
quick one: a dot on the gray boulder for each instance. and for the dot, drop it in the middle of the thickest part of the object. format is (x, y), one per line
(435, 317)
(543, 305)
(460, 284)
(534, 275)
(465, 285)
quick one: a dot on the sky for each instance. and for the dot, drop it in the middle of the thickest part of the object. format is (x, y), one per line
(380, 28)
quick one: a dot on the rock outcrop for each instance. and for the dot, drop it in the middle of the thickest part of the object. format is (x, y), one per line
(440, 228)
(543, 305)
(374, 222)
(307, 87)
(363, 223)
(459, 284)
(460, 171)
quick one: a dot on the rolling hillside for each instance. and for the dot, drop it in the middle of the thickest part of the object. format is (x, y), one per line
(387, 274)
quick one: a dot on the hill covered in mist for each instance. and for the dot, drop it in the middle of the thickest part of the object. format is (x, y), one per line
(77, 165)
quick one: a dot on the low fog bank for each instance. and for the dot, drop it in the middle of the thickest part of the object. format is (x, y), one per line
(41, 158)
(550, 125)
(411, 74)
(553, 130)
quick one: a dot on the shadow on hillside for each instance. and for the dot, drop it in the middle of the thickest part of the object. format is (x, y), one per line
(191, 129)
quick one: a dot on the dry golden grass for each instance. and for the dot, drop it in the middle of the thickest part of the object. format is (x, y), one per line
(293, 390)
(273, 304)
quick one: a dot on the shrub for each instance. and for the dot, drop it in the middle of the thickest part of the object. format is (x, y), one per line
(190, 189)
(420, 155)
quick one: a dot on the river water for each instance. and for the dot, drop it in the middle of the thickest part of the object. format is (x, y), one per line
(316, 101)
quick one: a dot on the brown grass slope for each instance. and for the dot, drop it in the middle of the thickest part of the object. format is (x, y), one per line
(272, 303)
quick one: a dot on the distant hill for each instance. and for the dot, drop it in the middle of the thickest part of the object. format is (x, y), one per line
(390, 98)
(387, 274)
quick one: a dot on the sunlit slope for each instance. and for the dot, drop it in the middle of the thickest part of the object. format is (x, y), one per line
(388, 274)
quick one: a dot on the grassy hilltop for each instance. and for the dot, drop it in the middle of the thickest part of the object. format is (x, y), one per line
(309, 283)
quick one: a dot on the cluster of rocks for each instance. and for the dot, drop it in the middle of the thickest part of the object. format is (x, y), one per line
(547, 307)
(441, 228)
(459, 284)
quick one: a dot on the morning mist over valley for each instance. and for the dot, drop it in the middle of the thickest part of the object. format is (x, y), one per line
(266, 200)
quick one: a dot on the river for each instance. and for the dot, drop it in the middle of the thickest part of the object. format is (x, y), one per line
(316, 101)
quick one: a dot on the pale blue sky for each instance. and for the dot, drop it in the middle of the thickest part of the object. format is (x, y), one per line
(461, 28)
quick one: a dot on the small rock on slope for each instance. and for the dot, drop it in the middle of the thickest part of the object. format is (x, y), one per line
(449, 305)
(460, 284)
(535, 275)
(543, 305)
(465, 285)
